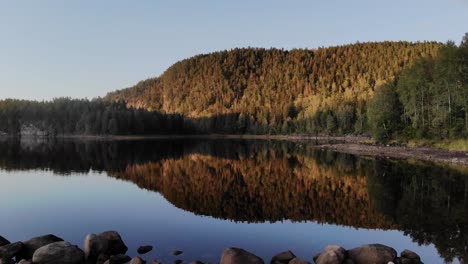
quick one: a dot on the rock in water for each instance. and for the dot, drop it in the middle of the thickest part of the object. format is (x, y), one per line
(58, 253)
(410, 255)
(331, 254)
(282, 258)
(137, 260)
(144, 249)
(298, 261)
(118, 259)
(94, 246)
(177, 253)
(373, 253)
(115, 243)
(239, 256)
(33, 244)
(3, 241)
(9, 251)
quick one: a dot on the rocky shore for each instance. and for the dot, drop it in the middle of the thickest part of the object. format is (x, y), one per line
(109, 248)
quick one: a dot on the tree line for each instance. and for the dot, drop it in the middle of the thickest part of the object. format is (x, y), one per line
(65, 116)
(427, 100)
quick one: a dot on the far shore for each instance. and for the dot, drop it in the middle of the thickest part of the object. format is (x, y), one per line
(356, 145)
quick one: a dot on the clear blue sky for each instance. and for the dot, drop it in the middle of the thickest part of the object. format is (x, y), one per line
(87, 48)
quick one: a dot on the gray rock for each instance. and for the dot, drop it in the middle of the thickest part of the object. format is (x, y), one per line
(298, 261)
(94, 246)
(239, 256)
(23, 261)
(119, 259)
(372, 253)
(332, 254)
(3, 241)
(9, 251)
(282, 258)
(177, 252)
(58, 253)
(144, 249)
(33, 244)
(137, 260)
(410, 255)
(115, 243)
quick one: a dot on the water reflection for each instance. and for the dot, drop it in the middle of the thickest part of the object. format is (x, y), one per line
(263, 181)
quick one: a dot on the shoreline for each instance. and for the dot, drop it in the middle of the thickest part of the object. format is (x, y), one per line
(109, 248)
(355, 145)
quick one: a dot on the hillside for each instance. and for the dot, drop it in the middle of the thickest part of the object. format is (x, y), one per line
(277, 91)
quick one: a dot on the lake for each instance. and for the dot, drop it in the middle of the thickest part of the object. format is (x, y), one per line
(201, 196)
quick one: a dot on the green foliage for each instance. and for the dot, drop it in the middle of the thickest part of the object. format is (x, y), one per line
(384, 113)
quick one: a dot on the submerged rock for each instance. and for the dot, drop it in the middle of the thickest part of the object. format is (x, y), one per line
(331, 254)
(283, 258)
(3, 241)
(9, 251)
(144, 249)
(58, 253)
(177, 253)
(372, 253)
(33, 244)
(239, 256)
(115, 243)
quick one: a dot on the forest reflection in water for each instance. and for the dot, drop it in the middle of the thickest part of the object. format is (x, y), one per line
(270, 181)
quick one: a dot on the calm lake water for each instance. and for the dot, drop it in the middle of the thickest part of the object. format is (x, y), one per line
(200, 196)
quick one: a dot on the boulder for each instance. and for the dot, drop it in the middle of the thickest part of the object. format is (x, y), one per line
(137, 260)
(332, 254)
(239, 256)
(9, 251)
(33, 244)
(410, 255)
(155, 262)
(115, 244)
(118, 259)
(144, 249)
(282, 258)
(94, 246)
(58, 253)
(3, 241)
(372, 253)
(298, 261)
(23, 261)
(102, 258)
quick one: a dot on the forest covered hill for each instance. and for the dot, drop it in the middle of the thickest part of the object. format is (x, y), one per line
(263, 91)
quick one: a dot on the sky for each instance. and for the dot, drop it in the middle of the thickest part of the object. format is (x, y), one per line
(87, 48)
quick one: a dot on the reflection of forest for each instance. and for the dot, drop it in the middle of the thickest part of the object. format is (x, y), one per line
(258, 181)
(262, 187)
